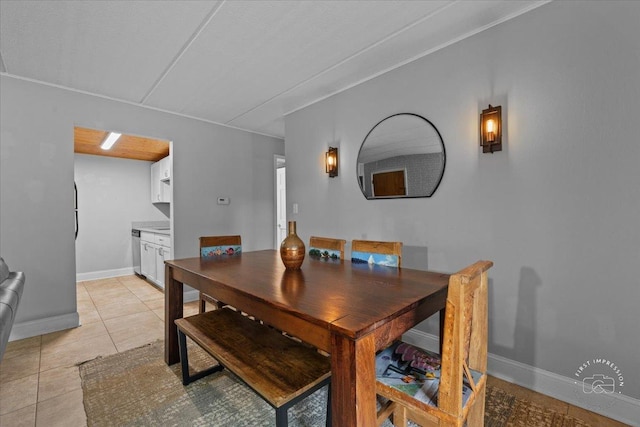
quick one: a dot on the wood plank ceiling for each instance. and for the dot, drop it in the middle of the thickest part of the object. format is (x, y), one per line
(87, 141)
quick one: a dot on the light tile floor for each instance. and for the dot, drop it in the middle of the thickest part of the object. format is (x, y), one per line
(39, 379)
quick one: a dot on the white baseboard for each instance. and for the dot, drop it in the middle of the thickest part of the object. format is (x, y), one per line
(191, 295)
(104, 274)
(47, 325)
(616, 406)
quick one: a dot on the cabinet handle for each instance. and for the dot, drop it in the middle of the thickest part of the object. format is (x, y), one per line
(160, 252)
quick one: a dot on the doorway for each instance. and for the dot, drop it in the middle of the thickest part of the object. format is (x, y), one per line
(114, 189)
(280, 195)
(389, 183)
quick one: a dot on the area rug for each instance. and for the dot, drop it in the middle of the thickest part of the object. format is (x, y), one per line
(136, 388)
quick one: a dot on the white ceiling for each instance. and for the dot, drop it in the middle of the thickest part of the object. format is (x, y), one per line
(244, 64)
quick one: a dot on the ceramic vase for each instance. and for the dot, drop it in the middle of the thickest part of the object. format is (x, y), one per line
(292, 249)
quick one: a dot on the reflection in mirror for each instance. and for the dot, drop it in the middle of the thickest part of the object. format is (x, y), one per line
(402, 156)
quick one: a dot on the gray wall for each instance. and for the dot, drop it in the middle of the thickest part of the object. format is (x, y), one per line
(558, 210)
(112, 193)
(36, 186)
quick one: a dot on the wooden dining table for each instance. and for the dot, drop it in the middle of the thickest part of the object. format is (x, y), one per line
(348, 310)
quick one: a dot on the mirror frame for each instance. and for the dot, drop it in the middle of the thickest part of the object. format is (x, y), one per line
(444, 158)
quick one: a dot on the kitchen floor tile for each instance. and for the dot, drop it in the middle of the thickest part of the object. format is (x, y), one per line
(160, 313)
(57, 381)
(146, 336)
(25, 417)
(81, 293)
(147, 293)
(131, 279)
(89, 315)
(102, 285)
(22, 347)
(190, 308)
(155, 304)
(19, 366)
(118, 309)
(130, 323)
(121, 293)
(18, 394)
(68, 336)
(64, 410)
(77, 352)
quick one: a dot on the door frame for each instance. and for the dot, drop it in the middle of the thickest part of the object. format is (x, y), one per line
(278, 162)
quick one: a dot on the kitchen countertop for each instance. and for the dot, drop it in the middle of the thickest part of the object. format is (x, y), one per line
(163, 230)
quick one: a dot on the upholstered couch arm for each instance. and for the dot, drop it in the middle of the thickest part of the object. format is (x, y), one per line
(11, 286)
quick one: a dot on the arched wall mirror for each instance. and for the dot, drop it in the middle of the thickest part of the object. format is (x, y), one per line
(402, 156)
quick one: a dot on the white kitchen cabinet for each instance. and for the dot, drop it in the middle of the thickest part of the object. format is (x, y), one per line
(155, 248)
(165, 168)
(161, 181)
(155, 183)
(148, 259)
(163, 252)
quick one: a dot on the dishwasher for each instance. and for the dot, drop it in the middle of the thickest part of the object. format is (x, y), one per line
(135, 243)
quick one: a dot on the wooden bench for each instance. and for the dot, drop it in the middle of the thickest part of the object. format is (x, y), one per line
(282, 371)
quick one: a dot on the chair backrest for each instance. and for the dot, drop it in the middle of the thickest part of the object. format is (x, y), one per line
(326, 247)
(213, 246)
(373, 252)
(465, 334)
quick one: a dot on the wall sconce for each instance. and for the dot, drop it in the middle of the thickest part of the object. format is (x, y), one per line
(331, 162)
(491, 129)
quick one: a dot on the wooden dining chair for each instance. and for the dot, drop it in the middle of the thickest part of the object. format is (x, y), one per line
(374, 252)
(452, 385)
(326, 247)
(213, 247)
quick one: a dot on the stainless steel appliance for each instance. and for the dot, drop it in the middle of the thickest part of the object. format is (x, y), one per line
(135, 242)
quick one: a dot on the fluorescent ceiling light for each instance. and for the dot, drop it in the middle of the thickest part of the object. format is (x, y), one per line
(110, 140)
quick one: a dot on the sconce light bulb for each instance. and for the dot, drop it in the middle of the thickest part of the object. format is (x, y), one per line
(490, 126)
(331, 160)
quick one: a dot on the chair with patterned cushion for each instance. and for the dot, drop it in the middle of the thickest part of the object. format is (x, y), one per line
(448, 389)
(214, 247)
(326, 248)
(374, 252)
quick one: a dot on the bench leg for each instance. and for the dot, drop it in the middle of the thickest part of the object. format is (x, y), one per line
(282, 417)
(329, 405)
(184, 362)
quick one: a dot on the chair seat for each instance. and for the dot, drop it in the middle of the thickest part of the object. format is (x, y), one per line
(415, 372)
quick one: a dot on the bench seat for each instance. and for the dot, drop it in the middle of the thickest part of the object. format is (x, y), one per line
(282, 371)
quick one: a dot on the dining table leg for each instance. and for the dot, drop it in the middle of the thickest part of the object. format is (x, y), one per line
(173, 300)
(353, 381)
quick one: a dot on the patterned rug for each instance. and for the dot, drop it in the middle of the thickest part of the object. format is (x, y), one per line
(136, 388)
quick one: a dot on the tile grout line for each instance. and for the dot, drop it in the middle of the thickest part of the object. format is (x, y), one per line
(101, 320)
(35, 417)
